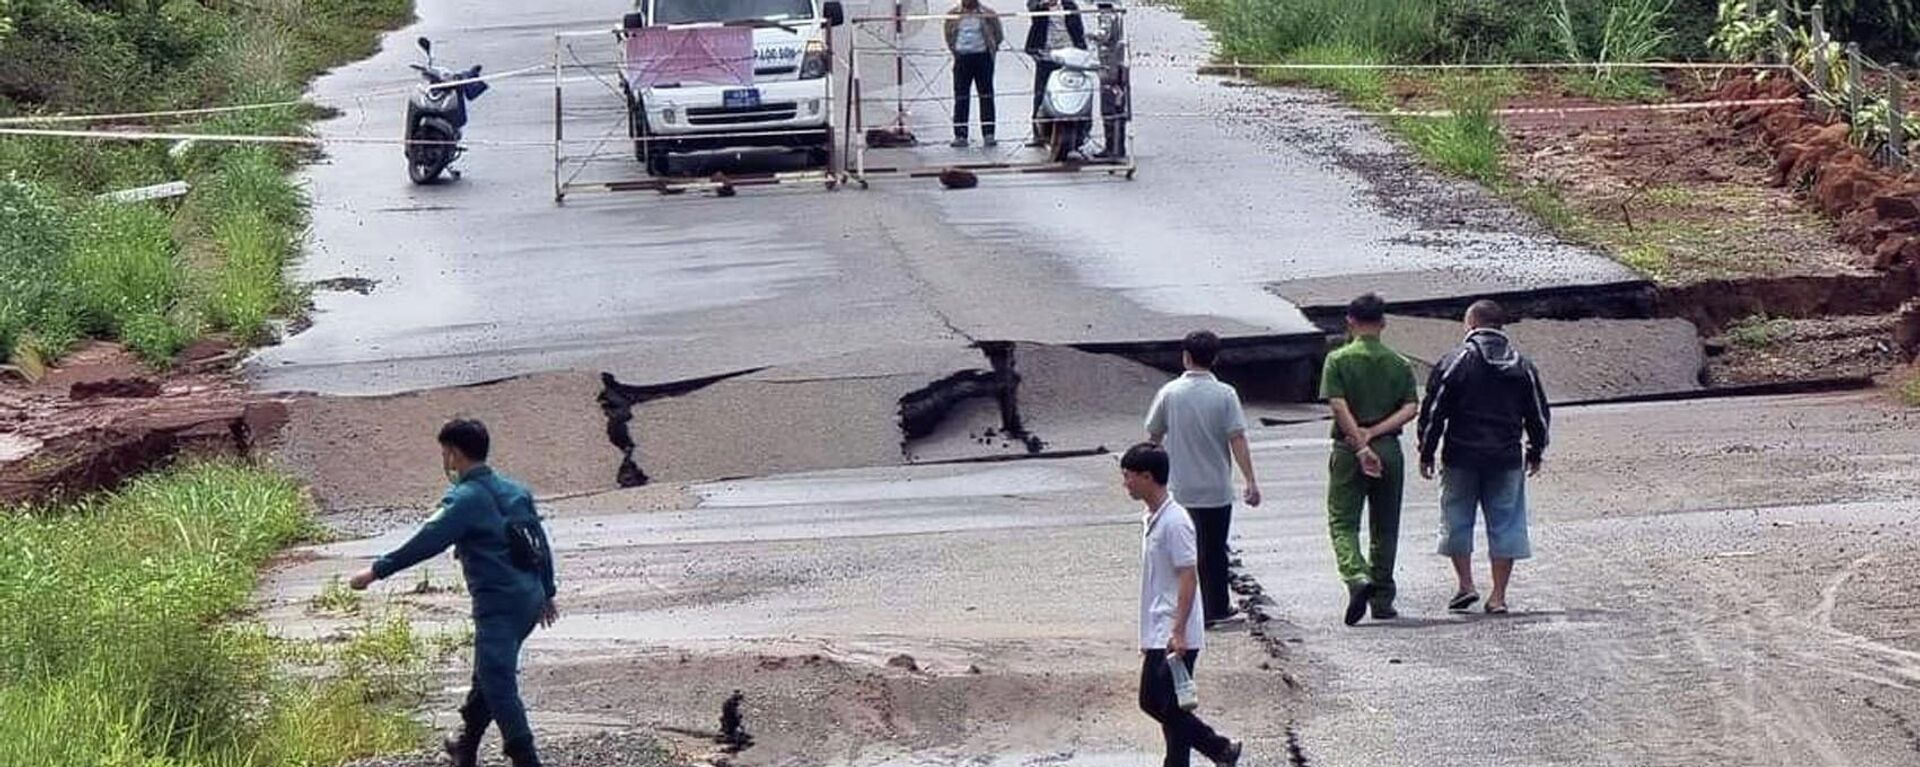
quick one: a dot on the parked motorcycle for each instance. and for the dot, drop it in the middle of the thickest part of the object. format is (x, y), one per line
(436, 113)
(1066, 111)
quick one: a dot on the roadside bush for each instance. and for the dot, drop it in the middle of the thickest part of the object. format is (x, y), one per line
(33, 249)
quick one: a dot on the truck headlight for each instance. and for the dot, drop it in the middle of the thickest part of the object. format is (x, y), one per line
(816, 64)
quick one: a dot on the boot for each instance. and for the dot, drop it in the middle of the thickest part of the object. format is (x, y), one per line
(463, 745)
(521, 754)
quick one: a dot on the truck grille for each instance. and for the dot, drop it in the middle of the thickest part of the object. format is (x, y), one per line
(777, 111)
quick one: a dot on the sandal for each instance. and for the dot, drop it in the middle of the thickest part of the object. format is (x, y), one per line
(1462, 601)
(1494, 609)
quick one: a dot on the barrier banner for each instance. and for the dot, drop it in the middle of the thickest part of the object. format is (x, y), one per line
(699, 56)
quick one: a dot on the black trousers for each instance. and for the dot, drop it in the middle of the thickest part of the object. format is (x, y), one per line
(1113, 101)
(1185, 733)
(1210, 526)
(1041, 71)
(972, 72)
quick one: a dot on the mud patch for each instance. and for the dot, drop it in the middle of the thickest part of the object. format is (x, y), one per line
(360, 285)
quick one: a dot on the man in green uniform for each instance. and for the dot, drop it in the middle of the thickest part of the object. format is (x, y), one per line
(1370, 388)
(490, 522)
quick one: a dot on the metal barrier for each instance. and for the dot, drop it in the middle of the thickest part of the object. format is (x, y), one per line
(882, 117)
(1877, 121)
(607, 160)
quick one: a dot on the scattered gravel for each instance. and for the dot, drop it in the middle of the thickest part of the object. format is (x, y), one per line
(612, 749)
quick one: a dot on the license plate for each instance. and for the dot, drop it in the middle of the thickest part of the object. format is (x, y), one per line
(740, 98)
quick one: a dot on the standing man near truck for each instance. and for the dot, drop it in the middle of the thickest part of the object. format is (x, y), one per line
(490, 523)
(1110, 39)
(974, 36)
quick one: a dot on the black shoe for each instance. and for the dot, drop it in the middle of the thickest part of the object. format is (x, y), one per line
(1385, 612)
(463, 747)
(520, 753)
(1232, 758)
(1232, 618)
(1358, 594)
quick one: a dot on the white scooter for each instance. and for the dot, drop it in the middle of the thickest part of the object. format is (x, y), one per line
(1066, 111)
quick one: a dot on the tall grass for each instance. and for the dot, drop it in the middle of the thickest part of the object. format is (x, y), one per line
(1410, 31)
(1466, 142)
(1387, 30)
(107, 271)
(113, 649)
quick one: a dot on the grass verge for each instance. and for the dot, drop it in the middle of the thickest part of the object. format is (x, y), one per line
(118, 644)
(155, 275)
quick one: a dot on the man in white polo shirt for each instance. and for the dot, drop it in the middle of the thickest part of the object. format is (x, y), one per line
(1199, 420)
(1168, 627)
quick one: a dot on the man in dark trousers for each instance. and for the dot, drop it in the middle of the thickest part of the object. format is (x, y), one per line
(1370, 389)
(974, 36)
(490, 522)
(1116, 86)
(1481, 398)
(1198, 419)
(1049, 33)
(1168, 631)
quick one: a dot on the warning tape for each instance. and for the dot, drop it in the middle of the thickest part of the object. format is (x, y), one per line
(1682, 106)
(306, 102)
(369, 140)
(1221, 67)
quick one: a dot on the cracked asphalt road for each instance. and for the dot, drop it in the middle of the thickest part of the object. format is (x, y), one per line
(486, 278)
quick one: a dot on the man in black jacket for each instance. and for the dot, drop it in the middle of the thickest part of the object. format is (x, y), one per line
(1046, 34)
(1481, 398)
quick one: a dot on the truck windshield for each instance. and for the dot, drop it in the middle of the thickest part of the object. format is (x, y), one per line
(698, 11)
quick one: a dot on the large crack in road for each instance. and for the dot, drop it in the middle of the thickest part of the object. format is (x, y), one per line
(820, 408)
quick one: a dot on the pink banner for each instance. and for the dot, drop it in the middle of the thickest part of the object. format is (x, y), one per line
(701, 56)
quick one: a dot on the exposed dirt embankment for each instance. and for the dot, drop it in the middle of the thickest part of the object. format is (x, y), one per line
(1878, 210)
(102, 417)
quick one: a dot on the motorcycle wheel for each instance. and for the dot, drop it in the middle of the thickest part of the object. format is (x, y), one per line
(428, 161)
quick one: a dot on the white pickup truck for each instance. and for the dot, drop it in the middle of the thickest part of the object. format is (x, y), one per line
(787, 104)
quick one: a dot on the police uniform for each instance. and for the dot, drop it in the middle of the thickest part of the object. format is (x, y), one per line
(507, 599)
(1375, 381)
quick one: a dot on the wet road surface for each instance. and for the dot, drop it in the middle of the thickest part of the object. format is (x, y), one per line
(486, 278)
(1689, 604)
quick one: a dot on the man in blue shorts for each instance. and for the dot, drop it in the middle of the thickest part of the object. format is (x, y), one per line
(1481, 398)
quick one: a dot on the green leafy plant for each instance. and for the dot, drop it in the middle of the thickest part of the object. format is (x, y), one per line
(1757, 331)
(1740, 34)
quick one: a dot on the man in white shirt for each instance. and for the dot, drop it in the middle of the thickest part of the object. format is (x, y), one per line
(1200, 422)
(1168, 560)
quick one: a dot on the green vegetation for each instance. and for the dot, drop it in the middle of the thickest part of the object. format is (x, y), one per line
(155, 275)
(1757, 331)
(1425, 31)
(1908, 391)
(336, 597)
(117, 646)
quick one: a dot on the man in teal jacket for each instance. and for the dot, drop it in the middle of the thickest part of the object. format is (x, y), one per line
(490, 522)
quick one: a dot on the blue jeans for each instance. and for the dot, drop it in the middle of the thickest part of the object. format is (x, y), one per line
(1501, 493)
